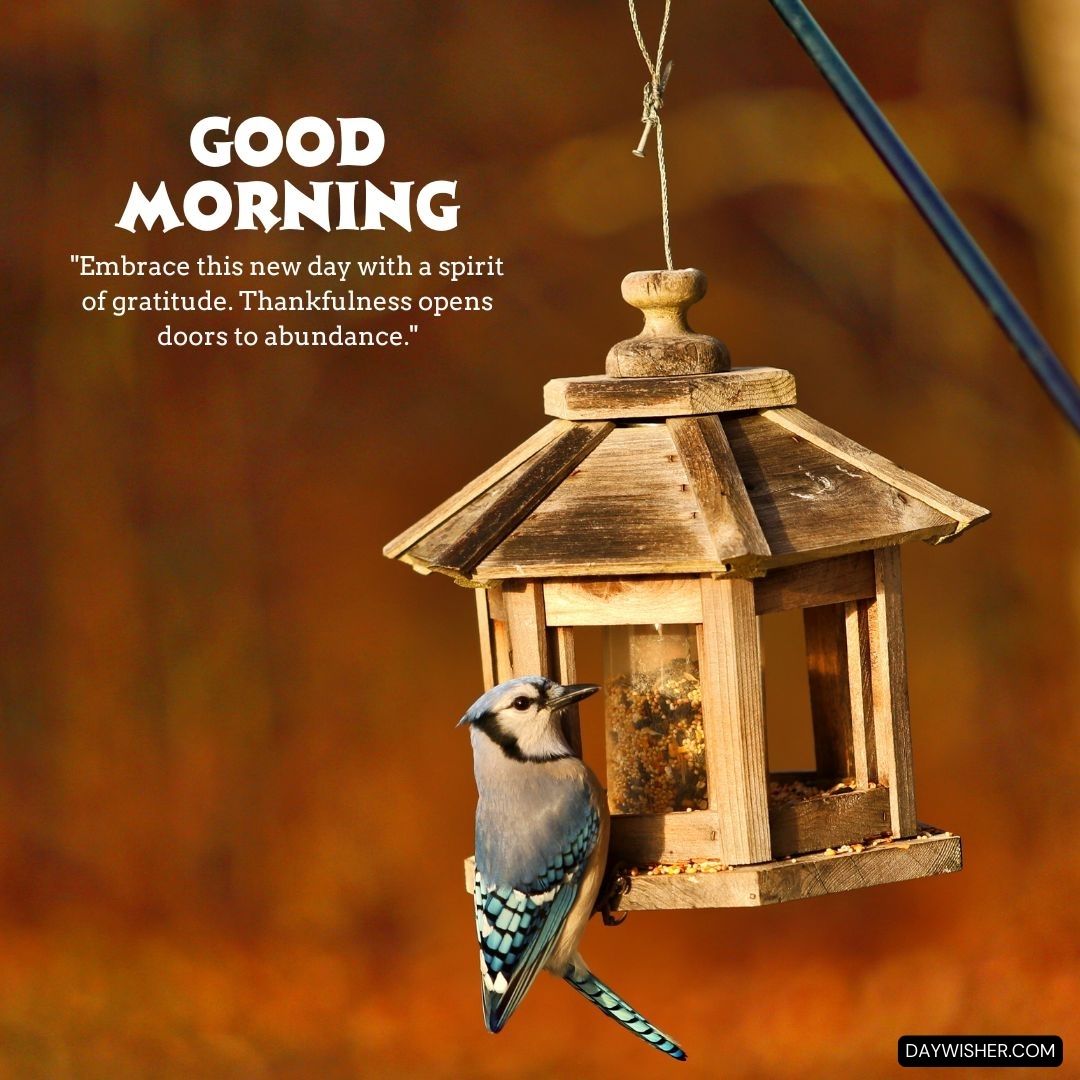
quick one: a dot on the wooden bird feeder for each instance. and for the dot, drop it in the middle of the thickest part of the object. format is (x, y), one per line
(675, 502)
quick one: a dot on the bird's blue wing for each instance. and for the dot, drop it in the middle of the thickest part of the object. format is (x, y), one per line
(517, 924)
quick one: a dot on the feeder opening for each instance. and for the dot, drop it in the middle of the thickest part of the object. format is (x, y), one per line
(789, 729)
(655, 734)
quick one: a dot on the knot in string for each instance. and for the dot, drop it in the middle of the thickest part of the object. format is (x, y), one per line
(652, 103)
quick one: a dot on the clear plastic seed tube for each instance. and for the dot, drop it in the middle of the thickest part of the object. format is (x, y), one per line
(655, 736)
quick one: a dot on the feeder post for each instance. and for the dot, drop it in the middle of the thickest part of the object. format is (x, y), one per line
(841, 699)
(888, 666)
(486, 629)
(494, 636)
(830, 695)
(861, 686)
(734, 720)
(524, 602)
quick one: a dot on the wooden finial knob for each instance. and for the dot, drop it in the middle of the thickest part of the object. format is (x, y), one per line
(666, 344)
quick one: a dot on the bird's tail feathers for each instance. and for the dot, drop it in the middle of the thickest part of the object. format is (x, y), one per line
(605, 999)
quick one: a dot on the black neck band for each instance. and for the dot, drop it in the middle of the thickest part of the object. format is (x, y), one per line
(508, 743)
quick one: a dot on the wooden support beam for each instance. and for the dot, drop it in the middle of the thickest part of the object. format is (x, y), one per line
(721, 494)
(861, 691)
(841, 690)
(623, 601)
(497, 607)
(500, 635)
(524, 602)
(610, 601)
(825, 581)
(734, 722)
(486, 631)
(830, 694)
(888, 670)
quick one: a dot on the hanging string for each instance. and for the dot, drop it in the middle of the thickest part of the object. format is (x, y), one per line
(652, 103)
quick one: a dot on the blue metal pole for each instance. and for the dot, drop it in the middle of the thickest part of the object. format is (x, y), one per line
(956, 240)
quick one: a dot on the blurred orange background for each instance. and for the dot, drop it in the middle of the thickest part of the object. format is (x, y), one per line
(233, 807)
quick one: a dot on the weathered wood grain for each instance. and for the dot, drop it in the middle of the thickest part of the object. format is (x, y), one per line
(497, 606)
(721, 494)
(470, 491)
(623, 601)
(600, 397)
(888, 665)
(666, 344)
(598, 501)
(964, 513)
(800, 879)
(838, 655)
(500, 638)
(627, 508)
(641, 839)
(733, 718)
(830, 694)
(682, 354)
(827, 581)
(779, 881)
(461, 541)
(487, 645)
(677, 599)
(809, 502)
(526, 625)
(576, 501)
(816, 823)
(861, 691)
(828, 821)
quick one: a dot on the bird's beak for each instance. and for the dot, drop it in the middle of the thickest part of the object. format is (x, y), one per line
(567, 695)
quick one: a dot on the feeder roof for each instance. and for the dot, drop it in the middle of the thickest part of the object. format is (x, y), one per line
(656, 470)
(730, 493)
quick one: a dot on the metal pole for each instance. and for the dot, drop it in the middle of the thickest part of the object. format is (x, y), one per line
(956, 240)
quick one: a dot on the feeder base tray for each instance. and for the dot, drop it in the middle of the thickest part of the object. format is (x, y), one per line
(932, 852)
(798, 878)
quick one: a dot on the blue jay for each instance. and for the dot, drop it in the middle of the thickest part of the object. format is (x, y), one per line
(541, 849)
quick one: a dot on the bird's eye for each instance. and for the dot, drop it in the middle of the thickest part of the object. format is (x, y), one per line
(522, 703)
